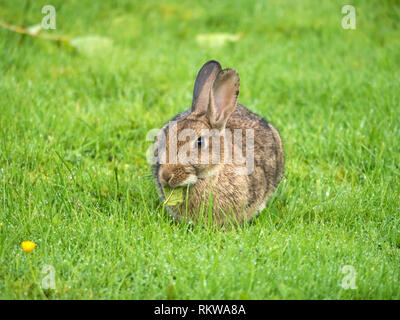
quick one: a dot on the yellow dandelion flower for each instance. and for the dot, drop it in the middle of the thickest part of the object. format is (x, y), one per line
(28, 246)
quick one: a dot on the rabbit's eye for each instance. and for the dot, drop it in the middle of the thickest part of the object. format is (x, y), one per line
(199, 142)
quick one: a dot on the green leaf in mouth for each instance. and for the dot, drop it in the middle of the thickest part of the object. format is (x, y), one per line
(173, 196)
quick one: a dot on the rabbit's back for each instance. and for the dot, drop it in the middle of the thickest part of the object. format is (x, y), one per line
(268, 153)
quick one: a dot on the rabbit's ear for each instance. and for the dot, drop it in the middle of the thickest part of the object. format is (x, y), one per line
(223, 97)
(204, 81)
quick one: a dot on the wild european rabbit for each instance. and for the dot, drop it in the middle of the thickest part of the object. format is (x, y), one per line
(228, 159)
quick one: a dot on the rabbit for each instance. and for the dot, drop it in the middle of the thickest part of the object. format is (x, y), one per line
(219, 189)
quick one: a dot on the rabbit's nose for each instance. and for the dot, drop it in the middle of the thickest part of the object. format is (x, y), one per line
(165, 177)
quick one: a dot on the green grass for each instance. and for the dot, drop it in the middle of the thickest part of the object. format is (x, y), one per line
(74, 177)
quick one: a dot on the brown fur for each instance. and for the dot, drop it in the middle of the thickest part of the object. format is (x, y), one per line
(234, 197)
